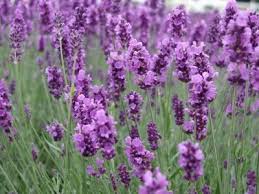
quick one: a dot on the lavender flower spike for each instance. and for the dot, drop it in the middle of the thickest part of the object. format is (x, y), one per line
(191, 160)
(18, 35)
(251, 182)
(55, 80)
(154, 182)
(56, 130)
(153, 135)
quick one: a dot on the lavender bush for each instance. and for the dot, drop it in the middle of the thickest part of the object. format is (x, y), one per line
(114, 96)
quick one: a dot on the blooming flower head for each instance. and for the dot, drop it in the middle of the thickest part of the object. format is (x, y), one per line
(85, 140)
(191, 160)
(138, 156)
(83, 83)
(124, 175)
(56, 130)
(182, 60)
(6, 118)
(123, 32)
(251, 182)
(199, 32)
(140, 64)
(154, 182)
(177, 106)
(134, 101)
(46, 16)
(17, 34)
(117, 74)
(55, 81)
(177, 22)
(153, 135)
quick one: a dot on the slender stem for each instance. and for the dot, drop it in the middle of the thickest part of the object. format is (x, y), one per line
(215, 148)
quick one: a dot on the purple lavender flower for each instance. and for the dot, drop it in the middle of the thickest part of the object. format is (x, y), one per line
(99, 171)
(238, 49)
(55, 81)
(134, 132)
(34, 152)
(83, 83)
(123, 32)
(84, 109)
(85, 140)
(191, 160)
(162, 60)
(27, 111)
(177, 106)
(206, 189)
(230, 13)
(6, 118)
(107, 134)
(91, 20)
(134, 101)
(213, 33)
(153, 135)
(138, 156)
(251, 182)
(124, 175)
(201, 93)
(46, 17)
(12, 87)
(122, 118)
(177, 22)
(113, 182)
(17, 35)
(188, 127)
(61, 39)
(41, 43)
(199, 32)
(55, 130)
(100, 95)
(117, 75)
(154, 182)
(200, 61)
(253, 24)
(182, 59)
(140, 63)
(144, 25)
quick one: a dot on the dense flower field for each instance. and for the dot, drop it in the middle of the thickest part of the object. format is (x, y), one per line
(114, 96)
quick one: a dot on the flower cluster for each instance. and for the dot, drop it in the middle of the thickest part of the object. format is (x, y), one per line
(100, 168)
(162, 60)
(134, 101)
(154, 182)
(202, 90)
(95, 129)
(138, 156)
(140, 64)
(83, 83)
(123, 32)
(182, 59)
(6, 118)
(153, 135)
(55, 130)
(177, 106)
(124, 175)
(55, 81)
(191, 160)
(238, 48)
(177, 22)
(18, 33)
(46, 17)
(251, 182)
(117, 75)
